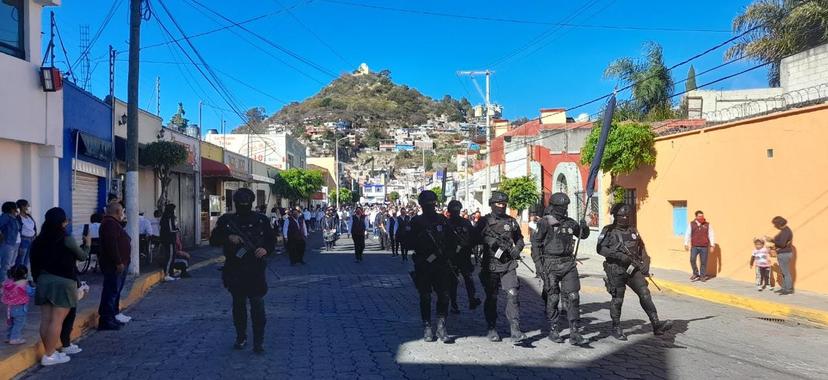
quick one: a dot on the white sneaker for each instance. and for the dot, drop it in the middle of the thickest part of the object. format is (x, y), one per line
(170, 278)
(56, 358)
(123, 318)
(71, 350)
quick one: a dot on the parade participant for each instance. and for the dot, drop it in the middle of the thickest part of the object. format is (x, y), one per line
(553, 254)
(429, 237)
(502, 244)
(463, 239)
(329, 225)
(246, 238)
(391, 225)
(295, 231)
(359, 228)
(404, 226)
(627, 264)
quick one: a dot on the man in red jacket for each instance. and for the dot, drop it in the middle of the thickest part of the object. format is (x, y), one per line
(114, 259)
(699, 240)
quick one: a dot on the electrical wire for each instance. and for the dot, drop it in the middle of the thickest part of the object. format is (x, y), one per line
(65, 54)
(115, 5)
(525, 22)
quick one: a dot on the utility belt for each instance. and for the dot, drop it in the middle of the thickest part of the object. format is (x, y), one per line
(557, 259)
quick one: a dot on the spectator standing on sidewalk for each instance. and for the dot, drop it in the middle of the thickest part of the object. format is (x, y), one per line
(54, 253)
(169, 235)
(114, 259)
(9, 237)
(761, 259)
(28, 231)
(700, 241)
(16, 293)
(784, 253)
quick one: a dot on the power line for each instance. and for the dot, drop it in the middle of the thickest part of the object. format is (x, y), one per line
(271, 43)
(265, 51)
(316, 36)
(104, 24)
(526, 22)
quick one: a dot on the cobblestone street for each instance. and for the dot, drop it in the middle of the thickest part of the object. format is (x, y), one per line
(334, 318)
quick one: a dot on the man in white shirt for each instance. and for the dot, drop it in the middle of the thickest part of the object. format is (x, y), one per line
(307, 215)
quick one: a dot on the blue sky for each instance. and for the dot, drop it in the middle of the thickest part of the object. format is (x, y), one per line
(562, 69)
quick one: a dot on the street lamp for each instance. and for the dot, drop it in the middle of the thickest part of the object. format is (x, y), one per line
(336, 167)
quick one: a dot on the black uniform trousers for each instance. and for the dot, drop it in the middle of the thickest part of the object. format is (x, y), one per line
(432, 278)
(464, 268)
(296, 250)
(492, 283)
(617, 281)
(560, 276)
(257, 316)
(395, 245)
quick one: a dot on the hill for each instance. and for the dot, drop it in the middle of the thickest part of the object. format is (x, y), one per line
(369, 100)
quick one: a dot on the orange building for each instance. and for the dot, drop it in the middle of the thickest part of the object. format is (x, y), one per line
(741, 174)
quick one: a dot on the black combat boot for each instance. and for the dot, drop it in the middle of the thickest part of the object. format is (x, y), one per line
(617, 332)
(660, 327)
(442, 335)
(555, 333)
(517, 335)
(241, 341)
(258, 348)
(474, 303)
(428, 333)
(492, 335)
(575, 337)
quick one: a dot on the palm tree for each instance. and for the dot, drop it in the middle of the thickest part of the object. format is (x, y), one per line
(782, 28)
(650, 81)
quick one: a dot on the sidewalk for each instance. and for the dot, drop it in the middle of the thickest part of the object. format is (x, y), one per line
(804, 306)
(15, 359)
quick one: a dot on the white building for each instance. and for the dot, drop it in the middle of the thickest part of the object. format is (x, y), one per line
(280, 150)
(803, 78)
(31, 120)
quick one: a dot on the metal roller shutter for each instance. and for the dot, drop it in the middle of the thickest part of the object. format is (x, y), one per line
(84, 202)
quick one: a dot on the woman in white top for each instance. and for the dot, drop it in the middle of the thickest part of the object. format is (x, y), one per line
(28, 231)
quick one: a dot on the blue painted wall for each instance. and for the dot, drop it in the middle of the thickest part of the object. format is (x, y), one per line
(85, 112)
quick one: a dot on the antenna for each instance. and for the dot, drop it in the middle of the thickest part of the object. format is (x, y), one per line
(85, 72)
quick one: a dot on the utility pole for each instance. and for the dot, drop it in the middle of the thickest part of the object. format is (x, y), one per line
(198, 185)
(466, 175)
(158, 98)
(488, 73)
(132, 131)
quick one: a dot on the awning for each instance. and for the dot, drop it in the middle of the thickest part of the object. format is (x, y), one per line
(93, 147)
(262, 179)
(215, 169)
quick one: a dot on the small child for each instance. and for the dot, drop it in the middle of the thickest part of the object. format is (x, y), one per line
(761, 259)
(16, 294)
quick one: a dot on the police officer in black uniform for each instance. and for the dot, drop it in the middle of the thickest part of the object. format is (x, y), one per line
(502, 244)
(463, 239)
(246, 238)
(432, 272)
(553, 254)
(627, 264)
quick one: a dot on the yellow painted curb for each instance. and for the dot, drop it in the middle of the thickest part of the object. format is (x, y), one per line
(761, 306)
(86, 320)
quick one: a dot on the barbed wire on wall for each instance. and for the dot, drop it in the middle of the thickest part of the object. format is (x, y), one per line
(793, 99)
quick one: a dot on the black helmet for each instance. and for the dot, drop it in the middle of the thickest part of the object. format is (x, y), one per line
(620, 209)
(455, 205)
(244, 196)
(559, 199)
(498, 197)
(427, 197)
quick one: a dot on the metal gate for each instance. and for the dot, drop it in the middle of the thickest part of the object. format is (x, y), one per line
(84, 202)
(592, 213)
(630, 200)
(182, 194)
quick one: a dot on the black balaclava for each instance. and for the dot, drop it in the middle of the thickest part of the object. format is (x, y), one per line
(622, 215)
(243, 201)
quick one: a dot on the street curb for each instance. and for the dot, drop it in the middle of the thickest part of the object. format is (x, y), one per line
(87, 320)
(760, 306)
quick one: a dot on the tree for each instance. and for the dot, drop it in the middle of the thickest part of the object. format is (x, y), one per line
(374, 136)
(439, 191)
(254, 120)
(345, 196)
(650, 80)
(297, 183)
(522, 191)
(393, 196)
(178, 121)
(629, 146)
(519, 121)
(783, 27)
(162, 156)
(690, 85)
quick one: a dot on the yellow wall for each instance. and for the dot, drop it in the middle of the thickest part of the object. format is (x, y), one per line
(328, 163)
(725, 172)
(212, 152)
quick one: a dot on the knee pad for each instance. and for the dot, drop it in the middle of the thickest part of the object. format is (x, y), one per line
(573, 297)
(644, 292)
(512, 292)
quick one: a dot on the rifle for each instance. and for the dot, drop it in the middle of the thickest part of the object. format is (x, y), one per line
(247, 245)
(506, 243)
(639, 260)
